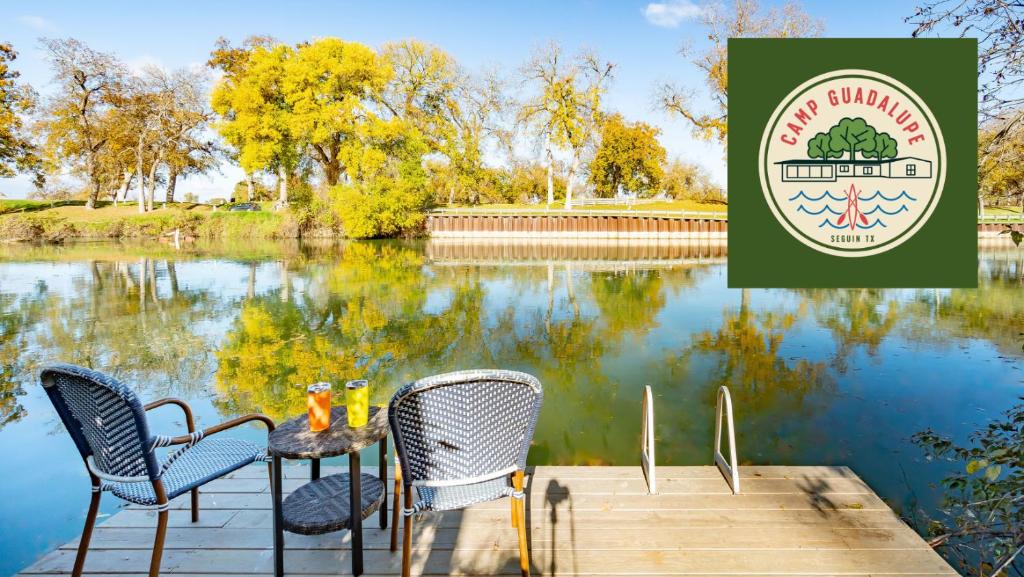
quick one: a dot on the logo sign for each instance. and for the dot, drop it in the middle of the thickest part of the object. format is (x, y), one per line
(845, 163)
(852, 163)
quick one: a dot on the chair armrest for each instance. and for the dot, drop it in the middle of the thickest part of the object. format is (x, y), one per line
(189, 421)
(194, 437)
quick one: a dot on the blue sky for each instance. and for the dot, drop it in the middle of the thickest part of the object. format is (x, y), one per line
(642, 38)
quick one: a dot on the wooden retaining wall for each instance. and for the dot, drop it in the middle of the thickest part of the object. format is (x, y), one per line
(611, 226)
(993, 229)
(572, 226)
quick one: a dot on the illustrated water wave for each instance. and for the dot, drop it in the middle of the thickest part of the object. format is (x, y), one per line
(854, 214)
(824, 208)
(827, 222)
(878, 193)
(828, 194)
(878, 208)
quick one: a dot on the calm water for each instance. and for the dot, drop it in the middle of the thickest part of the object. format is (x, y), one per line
(818, 376)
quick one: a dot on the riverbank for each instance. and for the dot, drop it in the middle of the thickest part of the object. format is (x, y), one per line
(42, 221)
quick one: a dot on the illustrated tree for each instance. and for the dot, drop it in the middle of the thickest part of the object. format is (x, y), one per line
(737, 19)
(565, 108)
(850, 136)
(17, 153)
(629, 157)
(75, 126)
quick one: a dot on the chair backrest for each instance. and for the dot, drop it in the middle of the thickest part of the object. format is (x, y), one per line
(465, 426)
(105, 419)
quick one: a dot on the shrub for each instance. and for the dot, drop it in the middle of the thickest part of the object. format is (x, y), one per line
(383, 211)
(384, 207)
(25, 227)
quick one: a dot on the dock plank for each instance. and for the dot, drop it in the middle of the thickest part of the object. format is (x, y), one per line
(582, 521)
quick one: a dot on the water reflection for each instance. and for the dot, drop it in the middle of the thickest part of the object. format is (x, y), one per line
(818, 376)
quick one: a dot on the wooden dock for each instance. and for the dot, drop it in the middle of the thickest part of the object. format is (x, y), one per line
(583, 521)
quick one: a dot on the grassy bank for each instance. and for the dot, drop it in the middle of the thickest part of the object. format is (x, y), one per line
(22, 220)
(688, 205)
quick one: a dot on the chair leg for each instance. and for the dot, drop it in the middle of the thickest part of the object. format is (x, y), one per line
(407, 538)
(83, 543)
(520, 520)
(195, 505)
(396, 509)
(158, 544)
(515, 512)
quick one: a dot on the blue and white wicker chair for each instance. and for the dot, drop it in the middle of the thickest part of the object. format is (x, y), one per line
(462, 438)
(108, 425)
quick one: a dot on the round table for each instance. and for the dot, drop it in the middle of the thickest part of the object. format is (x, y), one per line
(324, 504)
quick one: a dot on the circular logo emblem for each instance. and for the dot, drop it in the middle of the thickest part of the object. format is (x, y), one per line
(852, 163)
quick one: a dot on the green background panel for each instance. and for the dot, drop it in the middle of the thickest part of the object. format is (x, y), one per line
(943, 72)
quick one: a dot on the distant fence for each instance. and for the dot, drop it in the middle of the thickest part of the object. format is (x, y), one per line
(1004, 218)
(613, 201)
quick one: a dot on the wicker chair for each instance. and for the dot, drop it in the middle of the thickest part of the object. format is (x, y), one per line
(462, 438)
(108, 425)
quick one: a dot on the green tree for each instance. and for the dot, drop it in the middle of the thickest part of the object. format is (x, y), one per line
(628, 158)
(17, 153)
(850, 136)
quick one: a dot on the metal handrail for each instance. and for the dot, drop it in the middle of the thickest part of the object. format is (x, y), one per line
(730, 470)
(709, 215)
(647, 442)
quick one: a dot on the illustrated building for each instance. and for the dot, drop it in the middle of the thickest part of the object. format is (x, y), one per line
(811, 170)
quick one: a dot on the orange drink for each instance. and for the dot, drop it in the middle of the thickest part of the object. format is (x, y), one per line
(357, 402)
(318, 403)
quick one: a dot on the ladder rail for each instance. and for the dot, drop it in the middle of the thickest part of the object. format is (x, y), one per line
(647, 462)
(730, 469)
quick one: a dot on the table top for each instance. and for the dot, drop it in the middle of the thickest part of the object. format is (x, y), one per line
(293, 439)
(322, 506)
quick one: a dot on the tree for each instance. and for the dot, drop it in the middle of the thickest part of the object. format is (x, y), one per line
(17, 153)
(566, 106)
(329, 88)
(997, 25)
(255, 117)
(628, 158)
(852, 135)
(738, 19)
(1001, 166)
(684, 181)
(185, 149)
(231, 62)
(75, 125)
(455, 113)
(983, 530)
